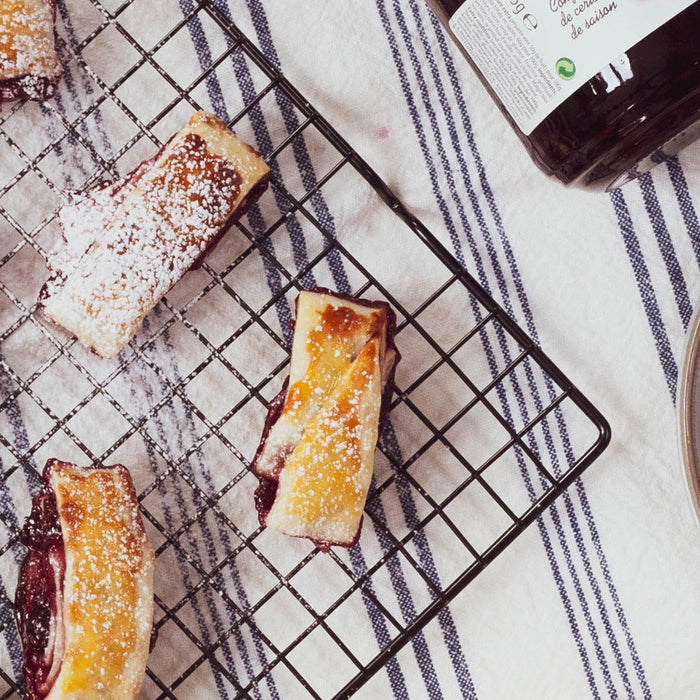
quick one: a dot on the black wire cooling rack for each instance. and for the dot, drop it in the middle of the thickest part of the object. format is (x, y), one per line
(484, 430)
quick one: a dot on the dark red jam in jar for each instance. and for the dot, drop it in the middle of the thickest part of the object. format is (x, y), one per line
(598, 91)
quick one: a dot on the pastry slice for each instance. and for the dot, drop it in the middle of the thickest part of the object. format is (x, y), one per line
(126, 243)
(316, 458)
(84, 603)
(29, 66)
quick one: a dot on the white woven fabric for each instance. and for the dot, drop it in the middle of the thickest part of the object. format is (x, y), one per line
(599, 599)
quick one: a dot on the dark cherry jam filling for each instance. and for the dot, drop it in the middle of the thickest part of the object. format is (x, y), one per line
(37, 598)
(29, 87)
(267, 487)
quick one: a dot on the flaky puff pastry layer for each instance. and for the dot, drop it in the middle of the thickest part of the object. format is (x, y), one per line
(316, 458)
(127, 243)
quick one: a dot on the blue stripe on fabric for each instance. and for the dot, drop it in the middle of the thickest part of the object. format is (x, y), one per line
(666, 247)
(564, 434)
(445, 618)
(405, 495)
(9, 511)
(301, 155)
(569, 508)
(201, 46)
(646, 290)
(380, 627)
(583, 498)
(264, 143)
(222, 531)
(451, 227)
(685, 203)
(170, 524)
(553, 513)
(7, 620)
(86, 85)
(617, 603)
(594, 533)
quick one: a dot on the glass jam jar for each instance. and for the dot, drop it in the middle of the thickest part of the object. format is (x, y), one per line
(640, 108)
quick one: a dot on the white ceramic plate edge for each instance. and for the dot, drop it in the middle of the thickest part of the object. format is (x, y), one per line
(689, 412)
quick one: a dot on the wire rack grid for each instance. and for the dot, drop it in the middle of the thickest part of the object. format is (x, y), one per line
(484, 431)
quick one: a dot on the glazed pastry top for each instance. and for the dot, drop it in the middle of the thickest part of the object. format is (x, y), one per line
(107, 596)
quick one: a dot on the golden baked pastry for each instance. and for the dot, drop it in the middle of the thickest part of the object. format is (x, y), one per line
(84, 602)
(29, 66)
(128, 242)
(316, 457)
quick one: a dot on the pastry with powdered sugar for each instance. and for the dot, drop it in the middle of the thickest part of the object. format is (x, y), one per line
(29, 64)
(84, 602)
(316, 456)
(126, 243)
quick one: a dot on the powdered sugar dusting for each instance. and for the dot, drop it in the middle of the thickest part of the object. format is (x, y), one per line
(29, 65)
(328, 337)
(82, 218)
(128, 242)
(108, 581)
(324, 482)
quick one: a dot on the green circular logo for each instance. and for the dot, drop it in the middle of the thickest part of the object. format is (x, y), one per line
(566, 68)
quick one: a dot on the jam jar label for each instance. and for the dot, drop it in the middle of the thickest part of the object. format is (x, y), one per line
(536, 53)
